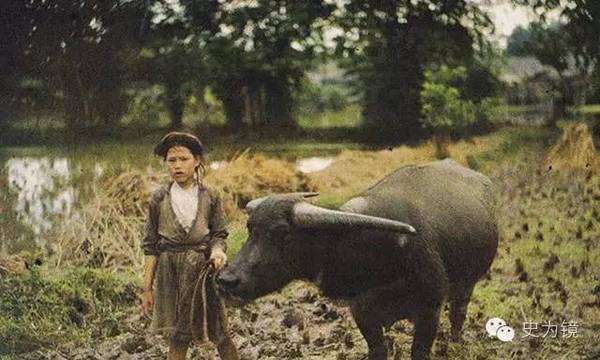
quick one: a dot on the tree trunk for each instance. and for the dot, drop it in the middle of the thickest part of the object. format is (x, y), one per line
(441, 142)
(392, 101)
(559, 103)
(8, 96)
(278, 105)
(77, 112)
(233, 105)
(175, 104)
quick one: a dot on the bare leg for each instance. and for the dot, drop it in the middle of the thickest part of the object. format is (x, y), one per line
(459, 300)
(177, 350)
(227, 349)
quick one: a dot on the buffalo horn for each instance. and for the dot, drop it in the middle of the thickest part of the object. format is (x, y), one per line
(253, 204)
(307, 215)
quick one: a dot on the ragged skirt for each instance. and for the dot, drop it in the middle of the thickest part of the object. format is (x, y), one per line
(178, 305)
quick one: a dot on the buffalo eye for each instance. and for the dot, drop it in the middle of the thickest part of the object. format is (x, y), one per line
(280, 228)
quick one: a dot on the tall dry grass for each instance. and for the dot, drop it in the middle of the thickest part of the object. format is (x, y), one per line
(354, 171)
(108, 229)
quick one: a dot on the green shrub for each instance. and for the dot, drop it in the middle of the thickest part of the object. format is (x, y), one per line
(444, 112)
(489, 112)
(448, 114)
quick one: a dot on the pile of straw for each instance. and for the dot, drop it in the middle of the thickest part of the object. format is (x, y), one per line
(108, 228)
(251, 176)
(574, 151)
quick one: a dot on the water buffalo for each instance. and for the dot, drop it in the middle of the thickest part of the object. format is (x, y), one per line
(422, 234)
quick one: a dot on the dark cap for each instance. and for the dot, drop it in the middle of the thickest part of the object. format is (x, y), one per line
(176, 138)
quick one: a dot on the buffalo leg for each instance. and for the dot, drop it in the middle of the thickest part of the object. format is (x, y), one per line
(459, 300)
(379, 307)
(426, 326)
(371, 328)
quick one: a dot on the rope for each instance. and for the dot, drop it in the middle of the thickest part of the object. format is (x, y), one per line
(200, 287)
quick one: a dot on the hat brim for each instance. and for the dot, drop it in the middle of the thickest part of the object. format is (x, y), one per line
(178, 139)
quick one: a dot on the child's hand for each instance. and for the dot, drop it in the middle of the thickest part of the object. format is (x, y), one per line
(147, 303)
(218, 258)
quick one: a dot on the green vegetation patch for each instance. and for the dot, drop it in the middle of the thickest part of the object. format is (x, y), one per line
(44, 309)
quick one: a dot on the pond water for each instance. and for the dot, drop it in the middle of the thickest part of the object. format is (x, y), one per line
(38, 191)
(42, 189)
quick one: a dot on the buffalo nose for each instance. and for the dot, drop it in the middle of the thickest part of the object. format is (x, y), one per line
(227, 280)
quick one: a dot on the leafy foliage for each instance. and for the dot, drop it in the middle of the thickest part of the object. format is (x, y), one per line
(394, 42)
(570, 45)
(315, 99)
(443, 109)
(77, 48)
(549, 44)
(144, 108)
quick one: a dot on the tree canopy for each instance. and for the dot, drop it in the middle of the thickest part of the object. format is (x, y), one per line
(87, 57)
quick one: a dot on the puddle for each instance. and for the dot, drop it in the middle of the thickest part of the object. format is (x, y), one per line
(42, 189)
(313, 164)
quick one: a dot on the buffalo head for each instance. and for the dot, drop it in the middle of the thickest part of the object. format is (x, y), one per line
(282, 233)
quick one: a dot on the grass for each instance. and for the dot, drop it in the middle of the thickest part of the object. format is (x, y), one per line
(349, 117)
(588, 109)
(543, 271)
(591, 109)
(137, 151)
(50, 307)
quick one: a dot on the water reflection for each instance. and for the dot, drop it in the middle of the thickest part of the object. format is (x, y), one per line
(42, 188)
(313, 164)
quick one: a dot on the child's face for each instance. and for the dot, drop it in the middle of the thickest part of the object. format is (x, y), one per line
(182, 164)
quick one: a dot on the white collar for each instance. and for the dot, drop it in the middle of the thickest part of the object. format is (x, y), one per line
(192, 189)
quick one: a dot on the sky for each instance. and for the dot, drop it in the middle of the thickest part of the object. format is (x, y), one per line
(507, 17)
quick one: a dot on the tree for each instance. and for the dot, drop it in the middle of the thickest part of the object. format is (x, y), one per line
(550, 46)
(578, 31)
(261, 55)
(77, 49)
(444, 111)
(14, 26)
(173, 54)
(394, 43)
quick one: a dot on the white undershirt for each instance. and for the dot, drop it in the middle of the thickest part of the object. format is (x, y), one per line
(185, 204)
